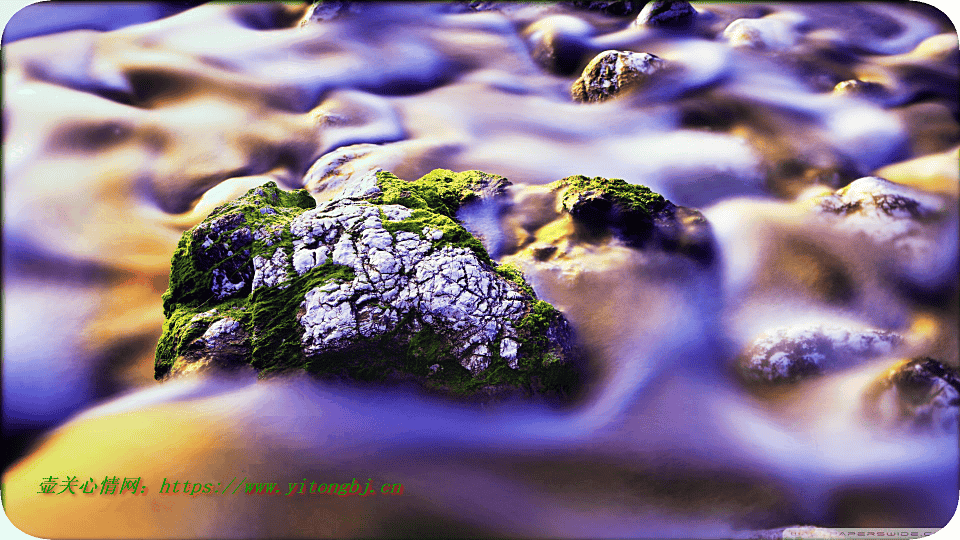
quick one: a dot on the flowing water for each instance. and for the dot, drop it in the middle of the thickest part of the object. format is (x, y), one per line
(115, 142)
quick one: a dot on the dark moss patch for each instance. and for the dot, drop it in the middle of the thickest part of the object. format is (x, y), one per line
(177, 330)
(277, 332)
(599, 205)
(228, 233)
(637, 214)
(188, 285)
(540, 369)
(629, 197)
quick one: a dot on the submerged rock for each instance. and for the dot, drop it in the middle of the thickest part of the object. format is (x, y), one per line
(790, 354)
(916, 229)
(637, 215)
(857, 87)
(874, 206)
(765, 34)
(380, 283)
(667, 14)
(558, 43)
(506, 7)
(613, 72)
(476, 5)
(921, 394)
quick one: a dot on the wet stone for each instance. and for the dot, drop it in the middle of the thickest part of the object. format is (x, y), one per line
(920, 395)
(559, 43)
(225, 345)
(878, 198)
(614, 72)
(667, 14)
(791, 354)
(328, 10)
(764, 34)
(638, 216)
(910, 227)
(859, 88)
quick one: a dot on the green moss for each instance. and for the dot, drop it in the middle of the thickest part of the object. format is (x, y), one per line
(191, 286)
(533, 329)
(550, 358)
(453, 233)
(266, 195)
(189, 292)
(277, 334)
(179, 330)
(441, 191)
(188, 285)
(428, 348)
(631, 196)
(435, 198)
(176, 330)
(513, 274)
(540, 368)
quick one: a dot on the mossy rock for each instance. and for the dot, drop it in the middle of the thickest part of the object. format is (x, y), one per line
(381, 284)
(636, 214)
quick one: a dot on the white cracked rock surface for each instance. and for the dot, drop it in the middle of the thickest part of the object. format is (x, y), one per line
(400, 280)
(220, 330)
(270, 272)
